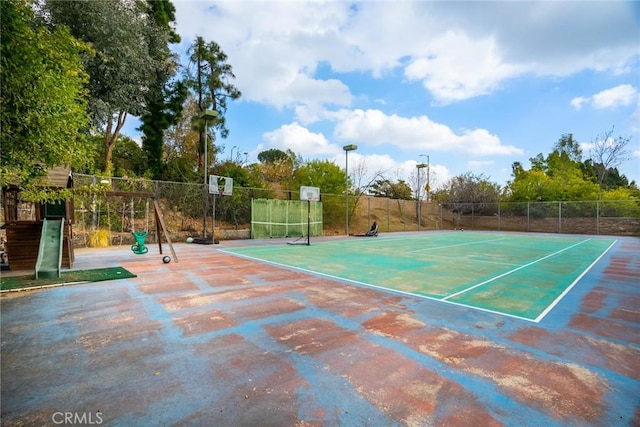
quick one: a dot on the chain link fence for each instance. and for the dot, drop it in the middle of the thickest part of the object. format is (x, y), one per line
(190, 211)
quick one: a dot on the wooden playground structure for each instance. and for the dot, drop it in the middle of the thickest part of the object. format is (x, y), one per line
(23, 223)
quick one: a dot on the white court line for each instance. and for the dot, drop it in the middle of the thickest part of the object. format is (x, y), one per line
(566, 291)
(369, 285)
(481, 261)
(513, 271)
(458, 244)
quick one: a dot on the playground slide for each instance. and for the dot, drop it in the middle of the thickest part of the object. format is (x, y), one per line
(50, 252)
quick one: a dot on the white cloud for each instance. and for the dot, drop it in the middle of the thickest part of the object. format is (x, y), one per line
(389, 168)
(578, 102)
(370, 164)
(307, 114)
(614, 97)
(274, 47)
(300, 140)
(438, 174)
(458, 50)
(553, 38)
(417, 134)
(457, 67)
(618, 96)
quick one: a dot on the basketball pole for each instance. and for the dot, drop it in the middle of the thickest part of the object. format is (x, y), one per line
(309, 194)
(213, 221)
(308, 222)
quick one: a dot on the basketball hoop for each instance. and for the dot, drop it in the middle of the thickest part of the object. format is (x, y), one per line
(310, 194)
(220, 185)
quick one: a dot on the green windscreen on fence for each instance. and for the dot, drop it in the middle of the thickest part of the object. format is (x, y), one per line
(285, 218)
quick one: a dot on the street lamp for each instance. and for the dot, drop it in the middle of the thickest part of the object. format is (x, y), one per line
(428, 187)
(206, 115)
(346, 149)
(419, 196)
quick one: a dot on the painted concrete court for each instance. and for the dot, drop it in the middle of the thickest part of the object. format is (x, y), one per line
(221, 340)
(517, 275)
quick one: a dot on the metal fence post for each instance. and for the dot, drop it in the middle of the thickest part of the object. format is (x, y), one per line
(472, 214)
(559, 217)
(404, 220)
(598, 217)
(388, 214)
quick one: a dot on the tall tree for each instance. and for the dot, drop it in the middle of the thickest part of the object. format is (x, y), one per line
(43, 104)
(128, 159)
(394, 190)
(558, 176)
(330, 178)
(209, 77)
(568, 148)
(181, 146)
(324, 174)
(165, 97)
(272, 155)
(606, 154)
(121, 68)
(469, 188)
(277, 166)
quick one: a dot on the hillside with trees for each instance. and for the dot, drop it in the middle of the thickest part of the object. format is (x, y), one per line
(565, 173)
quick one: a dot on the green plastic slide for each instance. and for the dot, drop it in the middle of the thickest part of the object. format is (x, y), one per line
(50, 252)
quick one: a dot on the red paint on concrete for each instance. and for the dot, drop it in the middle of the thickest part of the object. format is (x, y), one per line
(593, 302)
(198, 299)
(583, 349)
(401, 388)
(563, 391)
(252, 387)
(198, 323)
(628, 312)
(346, 300)
(253, 310)
(605, 328)
(165, 282)
(262, 345)
(280, 276)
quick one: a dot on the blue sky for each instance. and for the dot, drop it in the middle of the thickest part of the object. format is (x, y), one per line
(475, 86)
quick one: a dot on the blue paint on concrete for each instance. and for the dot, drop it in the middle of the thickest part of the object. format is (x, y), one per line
(167, 377)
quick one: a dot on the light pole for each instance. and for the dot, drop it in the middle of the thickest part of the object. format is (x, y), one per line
(427, 188)
(419, 195)
(206, 115)
(346, 149)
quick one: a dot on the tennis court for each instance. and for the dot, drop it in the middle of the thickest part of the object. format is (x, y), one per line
(514, 275)
(404, 329)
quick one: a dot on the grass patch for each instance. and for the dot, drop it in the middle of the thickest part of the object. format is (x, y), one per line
(96, 275)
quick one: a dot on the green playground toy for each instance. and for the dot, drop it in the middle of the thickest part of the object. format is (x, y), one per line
(139, 248)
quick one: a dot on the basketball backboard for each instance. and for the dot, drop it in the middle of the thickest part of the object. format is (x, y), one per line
(311, 194)
(222, 185)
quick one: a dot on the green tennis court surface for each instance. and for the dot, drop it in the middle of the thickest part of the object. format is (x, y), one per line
(523, 276)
